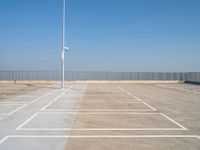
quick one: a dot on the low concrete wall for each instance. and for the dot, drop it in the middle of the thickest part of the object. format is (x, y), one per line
(28, 81)
(7, 81)
(89, 81)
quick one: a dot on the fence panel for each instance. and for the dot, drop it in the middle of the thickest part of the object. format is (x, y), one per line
(193, 77)
(70, 75)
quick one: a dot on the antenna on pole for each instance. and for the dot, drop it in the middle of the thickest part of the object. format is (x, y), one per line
(63, 47)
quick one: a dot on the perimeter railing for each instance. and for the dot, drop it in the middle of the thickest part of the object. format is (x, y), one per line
(77, 75)
(192, 77)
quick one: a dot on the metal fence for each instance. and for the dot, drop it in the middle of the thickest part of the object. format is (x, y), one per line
(192, 77)
(70, 75)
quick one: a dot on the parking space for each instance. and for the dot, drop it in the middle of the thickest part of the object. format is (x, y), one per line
(126, 121)
(73, 105)
(100, 121)
(33, 143)
(135, 143)
(8, 91)
(48, 121)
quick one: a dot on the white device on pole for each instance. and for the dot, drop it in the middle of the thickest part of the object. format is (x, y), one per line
(63, 48)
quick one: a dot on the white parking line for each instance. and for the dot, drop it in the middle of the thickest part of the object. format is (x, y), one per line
(44, 107)
(98, 136)
(48, 94)
(102, 113)
(133, 96)
(103, 102)
(94, 110)
(149, 106)
(5, 138)
(15, 110)
(101, 129)
(37, 99)
(113, 100)
(27, 121)
(111, 95)
(22, 104)
(26, 102)
(55, 99)
(178, 124)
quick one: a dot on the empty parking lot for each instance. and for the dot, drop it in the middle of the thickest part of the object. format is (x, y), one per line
(94, 116)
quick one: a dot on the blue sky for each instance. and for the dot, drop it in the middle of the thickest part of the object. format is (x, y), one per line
(103, 35)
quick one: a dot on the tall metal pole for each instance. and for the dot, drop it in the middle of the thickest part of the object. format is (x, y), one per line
(63, 49)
